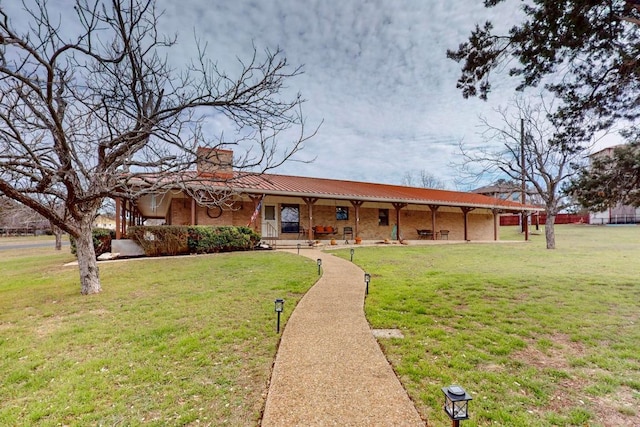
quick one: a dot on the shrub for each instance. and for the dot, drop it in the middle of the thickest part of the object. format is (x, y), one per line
(160, 240)
(203, 239)
(176, 240)
(102, 238)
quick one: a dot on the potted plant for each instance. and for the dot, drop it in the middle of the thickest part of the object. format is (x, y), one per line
(358, 240)
(333, 242)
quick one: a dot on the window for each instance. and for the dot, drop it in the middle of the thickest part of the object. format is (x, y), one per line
(383, 216)
(342, 213)
(270, 213)
(290, 218)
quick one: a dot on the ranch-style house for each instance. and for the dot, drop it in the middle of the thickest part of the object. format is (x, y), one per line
(282, 207)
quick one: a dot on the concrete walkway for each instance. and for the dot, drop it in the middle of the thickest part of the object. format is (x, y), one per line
(329, 369)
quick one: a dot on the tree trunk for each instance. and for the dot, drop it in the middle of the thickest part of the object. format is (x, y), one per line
(89, 278)
(549, 231)
(57, 232)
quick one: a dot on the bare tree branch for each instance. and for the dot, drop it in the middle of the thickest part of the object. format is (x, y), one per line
(548, 164)
(82, 115)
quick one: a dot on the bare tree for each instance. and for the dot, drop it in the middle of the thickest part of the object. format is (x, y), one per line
(547, 164)
(83, 114)
(422, 179)
(13, 215)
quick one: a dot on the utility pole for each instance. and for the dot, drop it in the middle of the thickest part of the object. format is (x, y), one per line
(523, 190)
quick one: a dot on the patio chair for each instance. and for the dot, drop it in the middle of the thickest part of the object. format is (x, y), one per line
(347, 233)
(444, 234)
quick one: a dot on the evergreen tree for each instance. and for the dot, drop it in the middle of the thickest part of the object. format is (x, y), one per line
(585, 52)
(610, 180)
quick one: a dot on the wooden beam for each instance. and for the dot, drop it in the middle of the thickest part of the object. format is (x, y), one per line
(356, 205)
(118, 218)
(398, 207)
(310, 201)
(496, 222)
(465, 212)
(193, 211)
(434, 209)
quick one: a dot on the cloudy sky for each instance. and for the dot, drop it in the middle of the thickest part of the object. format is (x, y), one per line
(375, 73)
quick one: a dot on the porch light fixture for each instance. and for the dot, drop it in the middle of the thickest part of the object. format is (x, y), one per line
(319, 265)
(352, 251)
(456, 401)
(367, 279)
(279, 307)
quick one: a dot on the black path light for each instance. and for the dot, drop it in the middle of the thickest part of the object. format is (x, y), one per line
(298, 248)
(279, 307)
(319, 265)
(367, 279)
(352, 251)
(456, 401)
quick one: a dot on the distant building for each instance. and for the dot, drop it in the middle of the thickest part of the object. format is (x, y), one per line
(618, 214)
(104, 221)
(502, 189)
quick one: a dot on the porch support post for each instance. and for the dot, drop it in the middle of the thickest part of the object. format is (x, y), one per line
(525, 224)
(118, 218)
(356, 205)
(310, 201)
(123, 216)
(496, 222)
(465, 212)
(434, 209)
(397, 207)
(193, 211)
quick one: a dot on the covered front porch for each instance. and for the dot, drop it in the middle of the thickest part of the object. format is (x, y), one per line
(311, 219)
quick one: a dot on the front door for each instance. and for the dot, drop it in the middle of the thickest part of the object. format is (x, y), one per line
(269, 221)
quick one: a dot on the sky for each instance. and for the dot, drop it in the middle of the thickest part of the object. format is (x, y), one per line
(375, 75)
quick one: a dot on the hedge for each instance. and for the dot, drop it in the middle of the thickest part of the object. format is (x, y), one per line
(102, 238)
(198, 239)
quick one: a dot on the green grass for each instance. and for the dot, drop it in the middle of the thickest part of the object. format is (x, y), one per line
(180, 341)
(538, 337)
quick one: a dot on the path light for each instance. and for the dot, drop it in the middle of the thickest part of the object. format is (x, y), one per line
(319, 265)
(367, 279)
(279, 307)
(352, 251)
(455, 404)
(298, 248)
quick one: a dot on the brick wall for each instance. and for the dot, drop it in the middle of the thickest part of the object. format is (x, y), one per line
(480, 221)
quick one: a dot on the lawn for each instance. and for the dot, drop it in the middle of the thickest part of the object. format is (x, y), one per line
(538, 337)
(180, 341)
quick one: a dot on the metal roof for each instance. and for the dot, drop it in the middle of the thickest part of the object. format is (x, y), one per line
(323, 188)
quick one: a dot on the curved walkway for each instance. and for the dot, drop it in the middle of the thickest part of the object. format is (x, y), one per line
(329, 369)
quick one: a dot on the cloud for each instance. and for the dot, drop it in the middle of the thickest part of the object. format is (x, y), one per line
(375, 71)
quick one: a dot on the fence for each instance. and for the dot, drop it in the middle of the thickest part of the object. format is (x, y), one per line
(560, 219)
(17, 231)
(616, 219)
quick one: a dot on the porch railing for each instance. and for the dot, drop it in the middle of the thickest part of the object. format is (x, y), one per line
(271, 235)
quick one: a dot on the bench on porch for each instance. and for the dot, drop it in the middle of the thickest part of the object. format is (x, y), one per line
(320, 230)
(425, 234)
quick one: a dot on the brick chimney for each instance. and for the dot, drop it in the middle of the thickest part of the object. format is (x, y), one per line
(215, 162)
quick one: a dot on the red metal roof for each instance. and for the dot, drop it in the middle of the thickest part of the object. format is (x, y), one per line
(285, 185)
